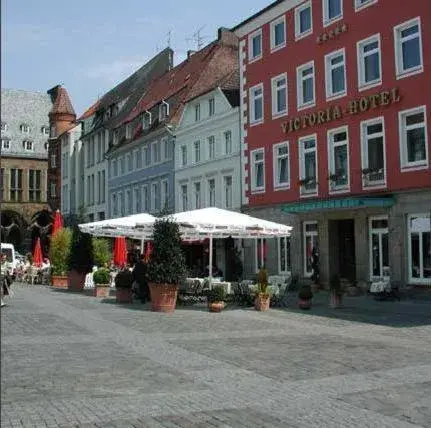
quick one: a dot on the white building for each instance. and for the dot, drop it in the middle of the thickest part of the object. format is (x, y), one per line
(207, 150)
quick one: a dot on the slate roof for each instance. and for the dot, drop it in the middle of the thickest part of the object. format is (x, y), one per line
(198, 74)
(130, 89)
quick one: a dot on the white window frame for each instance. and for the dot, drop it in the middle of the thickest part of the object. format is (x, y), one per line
(359, 5)
(283, 269)
(164, 193)
(3, 126)
(305, 192)
(184, 155)
(405, 165)
(275, 157)
(254, 188)
(165, 147)
(197, 151)
(411, 279)
(211, 106)
(227, 142)
(273, 24)
(274, 91)
(364, 151)
(299, 83)
(252, 36)
(329, 21)
(313, 234)
(333, 188)
(137, 202)
(31, 149)
(253, 98)
(144, 199)
(212, 203)
(401, 73)
(197, 112)
(3, 145)
(259, 256)
(154, 191)
(379, 231)
(298, 34)
(211, 147)
(228, 198)
(184, 196)
(362, 85)
(197, 193)
(330, 95)
(129, 130)
(24, 128)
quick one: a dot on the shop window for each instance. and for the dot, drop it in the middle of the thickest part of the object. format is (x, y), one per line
(310, 245)
(379, 247)
(419, 257)
(284, 265)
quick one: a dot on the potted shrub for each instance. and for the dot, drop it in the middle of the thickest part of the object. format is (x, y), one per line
(261, 302)
(80, 259)
(335, 291)
(123, 286)
(167, 267)
(101, 253)
(305, 295)
(59, 255)
(101, 282)
(216, 297)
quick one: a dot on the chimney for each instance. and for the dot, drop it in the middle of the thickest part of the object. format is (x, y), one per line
(190, 53)
(226, 37)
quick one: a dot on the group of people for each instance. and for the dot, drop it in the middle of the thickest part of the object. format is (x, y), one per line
(6, 278)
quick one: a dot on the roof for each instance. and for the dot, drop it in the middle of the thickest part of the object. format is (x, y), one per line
(130, 89)
(195, 76)
(253, 17)
(62, 103)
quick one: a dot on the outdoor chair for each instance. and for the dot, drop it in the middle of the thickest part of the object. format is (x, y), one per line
(32, 275)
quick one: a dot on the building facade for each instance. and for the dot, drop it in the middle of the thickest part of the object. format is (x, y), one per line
(61, 118)
(141, 161)
(24, 149)
(335, 134)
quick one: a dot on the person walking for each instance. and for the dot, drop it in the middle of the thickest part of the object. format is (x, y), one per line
(5, 278)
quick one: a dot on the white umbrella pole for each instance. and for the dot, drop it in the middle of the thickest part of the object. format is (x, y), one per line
(142, 245)
(211, 259)
(261, 252)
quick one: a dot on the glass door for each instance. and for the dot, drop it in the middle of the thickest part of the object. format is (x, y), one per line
(379, 247)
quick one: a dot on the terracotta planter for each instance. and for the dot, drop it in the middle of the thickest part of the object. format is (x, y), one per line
(101, 290)
(304, 304)
(76, 281)
(163, 297)
(123, 295)
(335, 300)
(59, 281)
(261, 303)
(215, 306)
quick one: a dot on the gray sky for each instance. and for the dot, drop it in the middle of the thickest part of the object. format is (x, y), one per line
(91, 46)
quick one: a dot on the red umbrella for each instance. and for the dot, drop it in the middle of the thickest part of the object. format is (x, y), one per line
(120, 251)
(58, 222)
(148, 251)
(37, 254)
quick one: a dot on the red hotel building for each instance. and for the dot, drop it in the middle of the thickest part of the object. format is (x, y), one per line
(336, 101)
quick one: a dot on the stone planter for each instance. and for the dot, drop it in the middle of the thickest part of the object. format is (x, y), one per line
(335, 300)
(123, 295)
(304, 304)
(261, 303)
(215, 306)
(59, 281)
(163, 297)
(101, 290)
(76, 281)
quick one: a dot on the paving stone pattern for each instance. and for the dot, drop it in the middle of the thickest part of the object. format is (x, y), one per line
(70, 360)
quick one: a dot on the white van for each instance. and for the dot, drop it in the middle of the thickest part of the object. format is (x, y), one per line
(9, 250)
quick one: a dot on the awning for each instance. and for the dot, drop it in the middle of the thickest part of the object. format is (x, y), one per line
(331, 204)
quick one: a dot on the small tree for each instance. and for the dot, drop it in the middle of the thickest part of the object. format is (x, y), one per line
(101, 252)
(81, 252)
(59, 252)
(167, 263)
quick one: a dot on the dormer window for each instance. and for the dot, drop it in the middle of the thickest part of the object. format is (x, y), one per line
(163, 110)
(129, 130)
(146, 120)
(4, 126)
(5, 143)
(28, 145)
(44, 130)
(24, 128)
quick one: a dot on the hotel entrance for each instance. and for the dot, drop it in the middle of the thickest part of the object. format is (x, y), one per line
(342, 248)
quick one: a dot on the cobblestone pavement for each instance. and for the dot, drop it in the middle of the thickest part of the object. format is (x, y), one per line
(71, 360)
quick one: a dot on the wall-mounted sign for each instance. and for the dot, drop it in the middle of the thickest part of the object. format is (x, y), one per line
(332, 34)
(356, 106)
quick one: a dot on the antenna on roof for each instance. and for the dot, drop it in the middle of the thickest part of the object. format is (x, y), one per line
(169, 35)
(197, 38)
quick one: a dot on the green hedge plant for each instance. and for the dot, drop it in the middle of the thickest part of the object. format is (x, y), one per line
(59, 252)
(124, 279)
(81, 252)
(101, 276)
(101, 252)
